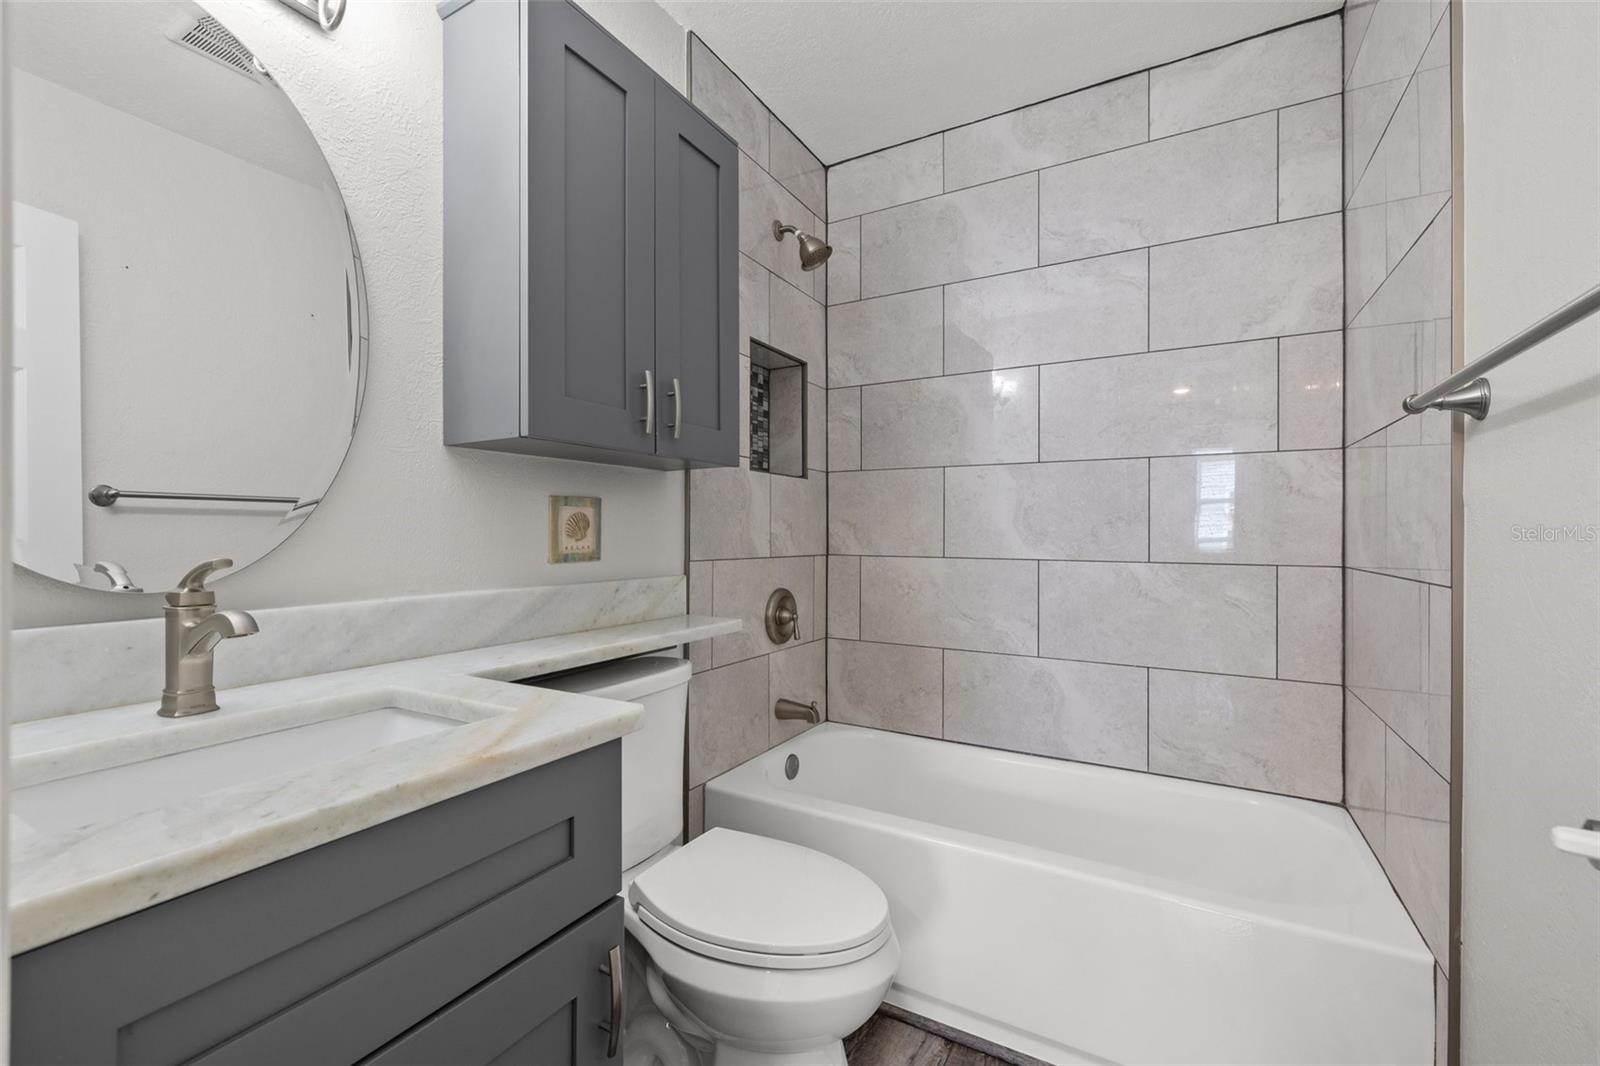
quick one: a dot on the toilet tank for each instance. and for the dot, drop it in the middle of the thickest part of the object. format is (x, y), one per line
(652, 755)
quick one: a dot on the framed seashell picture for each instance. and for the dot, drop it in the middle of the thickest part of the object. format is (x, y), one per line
(574, 529)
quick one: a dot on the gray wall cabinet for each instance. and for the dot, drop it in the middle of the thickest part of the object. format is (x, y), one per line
(472, 931)
(591, 247)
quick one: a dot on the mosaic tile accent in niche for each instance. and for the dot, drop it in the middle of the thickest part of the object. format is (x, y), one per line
(760, 418)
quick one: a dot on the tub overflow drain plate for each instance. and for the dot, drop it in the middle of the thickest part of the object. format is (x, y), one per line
(791, 766)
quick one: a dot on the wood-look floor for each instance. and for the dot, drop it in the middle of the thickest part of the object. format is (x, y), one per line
(886, 1041)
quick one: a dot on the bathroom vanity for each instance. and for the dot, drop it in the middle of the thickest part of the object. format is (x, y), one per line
(477, 929)
(413, 861)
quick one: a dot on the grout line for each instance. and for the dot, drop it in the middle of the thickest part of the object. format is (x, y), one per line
(1087, 359)
(1093, 662)
(1103, 459)
(1338, 214)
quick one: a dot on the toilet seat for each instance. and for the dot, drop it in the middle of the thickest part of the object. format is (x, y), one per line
(755, 901)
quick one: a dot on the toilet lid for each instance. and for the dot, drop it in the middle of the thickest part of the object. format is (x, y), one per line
(755, 894)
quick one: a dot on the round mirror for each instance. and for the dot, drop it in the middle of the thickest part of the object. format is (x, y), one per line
(189, 323)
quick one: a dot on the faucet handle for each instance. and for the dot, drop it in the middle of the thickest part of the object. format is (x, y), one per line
(192, 591)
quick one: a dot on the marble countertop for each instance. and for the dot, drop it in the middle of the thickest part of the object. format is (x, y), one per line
(67, 880)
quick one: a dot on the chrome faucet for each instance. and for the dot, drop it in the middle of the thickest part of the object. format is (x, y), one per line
(194, 628)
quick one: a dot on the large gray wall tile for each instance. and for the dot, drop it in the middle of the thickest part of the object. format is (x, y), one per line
(1394, 42)
(883, 179)
(1089, 510)
(799, 514)
(1221, 398)
(1310, 136)
(1367, 110)
(1364, 739)
(1277, 69)
(844, 596)
(718, 92)
(1264, 507)
(975, 604)
(727, 718)
(1311, 391)
(886, 512)
(1417, 841)
(755, 303)
(731, 512)
(953, 421)
(1380, 371)
(1174, 615)
(1280, 736)
(984, 230)
(1208, 181)
(1087, 122)
(799, 327)
(886, 686)
(799, 674)
(800, 172)
(1386, 625)
(741, 588)
(1054, 314)
(1084, 711)
(1394, 172)
(887, 339)
(1264, 282)
(844, 265)
(844, 429)
(1310, 634)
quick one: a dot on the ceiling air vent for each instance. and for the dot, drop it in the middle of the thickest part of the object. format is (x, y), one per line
(211, 39)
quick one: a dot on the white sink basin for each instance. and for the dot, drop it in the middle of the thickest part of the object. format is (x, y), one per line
(172, 780)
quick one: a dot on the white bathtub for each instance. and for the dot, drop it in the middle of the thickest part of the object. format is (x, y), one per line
(1083, 914)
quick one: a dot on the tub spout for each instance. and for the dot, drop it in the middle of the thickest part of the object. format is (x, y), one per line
(793, 710)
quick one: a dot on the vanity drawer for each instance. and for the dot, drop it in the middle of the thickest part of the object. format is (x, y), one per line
(546, 1009)
(326, 956)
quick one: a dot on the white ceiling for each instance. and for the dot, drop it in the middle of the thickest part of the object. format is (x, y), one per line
(853, 76)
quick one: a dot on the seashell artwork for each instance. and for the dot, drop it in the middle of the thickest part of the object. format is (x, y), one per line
(574, 529)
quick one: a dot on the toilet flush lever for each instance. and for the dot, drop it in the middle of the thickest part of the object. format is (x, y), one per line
(613, 1028)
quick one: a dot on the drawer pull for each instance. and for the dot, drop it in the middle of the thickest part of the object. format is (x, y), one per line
(613, 970)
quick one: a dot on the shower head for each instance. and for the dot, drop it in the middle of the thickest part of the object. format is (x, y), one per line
(814, 251)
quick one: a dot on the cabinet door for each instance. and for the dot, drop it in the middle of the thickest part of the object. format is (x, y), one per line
(697, 285)
(551, 1008)
(590, 300)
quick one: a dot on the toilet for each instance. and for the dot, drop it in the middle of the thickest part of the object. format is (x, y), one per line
(743, 950)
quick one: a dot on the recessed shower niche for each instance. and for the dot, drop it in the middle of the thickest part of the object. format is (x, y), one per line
(778, 401)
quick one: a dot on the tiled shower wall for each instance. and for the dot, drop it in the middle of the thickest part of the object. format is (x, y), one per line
(751, 532)
(1084, 434)
(1397, 469)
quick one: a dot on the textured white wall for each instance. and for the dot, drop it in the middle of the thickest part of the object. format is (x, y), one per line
(408, 515)
(1530, 924)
